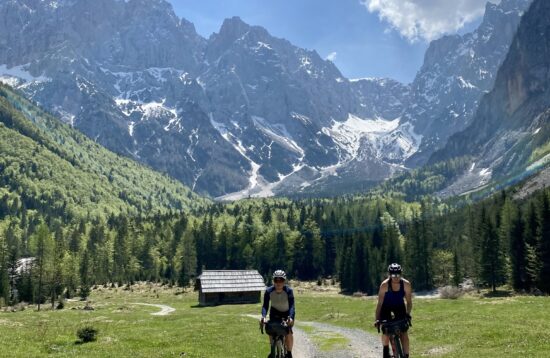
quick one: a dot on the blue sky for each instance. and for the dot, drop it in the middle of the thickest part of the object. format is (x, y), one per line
(361, 44)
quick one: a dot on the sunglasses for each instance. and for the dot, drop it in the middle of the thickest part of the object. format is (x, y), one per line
(278, 280)
(395, 275)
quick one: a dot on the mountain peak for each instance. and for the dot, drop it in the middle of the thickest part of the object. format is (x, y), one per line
(234, 28)
(513, 5)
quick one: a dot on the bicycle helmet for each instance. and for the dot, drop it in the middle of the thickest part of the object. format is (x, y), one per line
(279, 274)
(394, 269)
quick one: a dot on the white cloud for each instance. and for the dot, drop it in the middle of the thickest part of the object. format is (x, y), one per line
(426, 19)
(332, 56)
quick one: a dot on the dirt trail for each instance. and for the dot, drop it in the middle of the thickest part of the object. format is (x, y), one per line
(359, 343)
(164, 309)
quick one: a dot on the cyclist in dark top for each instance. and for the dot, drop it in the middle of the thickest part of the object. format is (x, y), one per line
(391, 305)
(281, 298)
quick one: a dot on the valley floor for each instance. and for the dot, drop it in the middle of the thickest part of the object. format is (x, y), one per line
(157, 321)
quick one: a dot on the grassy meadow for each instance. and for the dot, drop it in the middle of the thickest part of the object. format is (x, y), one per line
(472, 326)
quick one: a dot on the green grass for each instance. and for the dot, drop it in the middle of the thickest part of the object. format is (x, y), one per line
(127, 330)
(539, 152)
(325, 341)
(467, 327)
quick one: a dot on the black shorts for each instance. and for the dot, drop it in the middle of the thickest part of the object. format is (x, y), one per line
(278, 316)
(278, 323)
(393, 313)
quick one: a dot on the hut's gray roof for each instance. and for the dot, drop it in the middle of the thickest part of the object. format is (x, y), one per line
(231, 281)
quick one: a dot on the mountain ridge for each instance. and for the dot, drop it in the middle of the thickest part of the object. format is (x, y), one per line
(241, 113)
(510, 132)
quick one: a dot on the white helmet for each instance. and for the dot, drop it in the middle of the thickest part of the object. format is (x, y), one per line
(279, 274)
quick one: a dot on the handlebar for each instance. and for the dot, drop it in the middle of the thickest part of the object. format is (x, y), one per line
(381, 323)
(284, 323)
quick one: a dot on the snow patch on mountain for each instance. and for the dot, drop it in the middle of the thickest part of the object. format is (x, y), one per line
(149, 110)
(400, 144)
(134, 84)
(279, 134)
(18, 75)
(349, 134)
(131, 126)
(259, 187)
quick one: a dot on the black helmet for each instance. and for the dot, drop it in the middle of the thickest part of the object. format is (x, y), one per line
(394, 269)
(279, 274)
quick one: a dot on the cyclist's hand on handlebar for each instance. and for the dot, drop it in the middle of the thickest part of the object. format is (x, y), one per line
(290, 322)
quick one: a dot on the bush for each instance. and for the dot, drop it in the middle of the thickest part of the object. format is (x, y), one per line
(87, 334)
(84, 292)
(450, 292)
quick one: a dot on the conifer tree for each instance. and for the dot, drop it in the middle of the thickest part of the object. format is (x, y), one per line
(544, 240)
(42, 247)
(492, 259)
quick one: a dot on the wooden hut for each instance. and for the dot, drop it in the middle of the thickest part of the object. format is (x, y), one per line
(229, 286)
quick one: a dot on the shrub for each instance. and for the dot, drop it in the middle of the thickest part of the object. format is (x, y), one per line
(87, 334)
(84, 292)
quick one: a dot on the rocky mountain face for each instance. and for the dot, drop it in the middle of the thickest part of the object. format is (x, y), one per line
(241, 113)
(457, 72)
(509, 136)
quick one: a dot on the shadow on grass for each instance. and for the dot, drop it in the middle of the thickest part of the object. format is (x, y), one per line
(217, 304)
(498, 294)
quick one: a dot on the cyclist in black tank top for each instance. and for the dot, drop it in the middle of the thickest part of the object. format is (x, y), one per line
(393, 293)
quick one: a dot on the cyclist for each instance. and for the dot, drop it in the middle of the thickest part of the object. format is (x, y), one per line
(390, 301)
(282, 306)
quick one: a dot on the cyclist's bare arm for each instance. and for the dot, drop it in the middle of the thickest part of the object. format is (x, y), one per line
(381, 293)
(408, 296)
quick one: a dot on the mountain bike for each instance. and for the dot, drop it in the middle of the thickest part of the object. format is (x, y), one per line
(278, 332)
(394, 329)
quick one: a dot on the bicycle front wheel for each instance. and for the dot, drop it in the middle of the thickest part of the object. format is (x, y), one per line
(280, 349)
(398, 347)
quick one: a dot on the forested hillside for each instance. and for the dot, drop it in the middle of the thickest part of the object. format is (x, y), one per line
(48, 167)
(494, 242)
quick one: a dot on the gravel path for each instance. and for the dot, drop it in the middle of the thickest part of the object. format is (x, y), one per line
(164, 309)
(360, 343)
(303, 346)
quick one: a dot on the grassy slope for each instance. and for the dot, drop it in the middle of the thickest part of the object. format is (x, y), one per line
(468, 327)
(42, 155)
